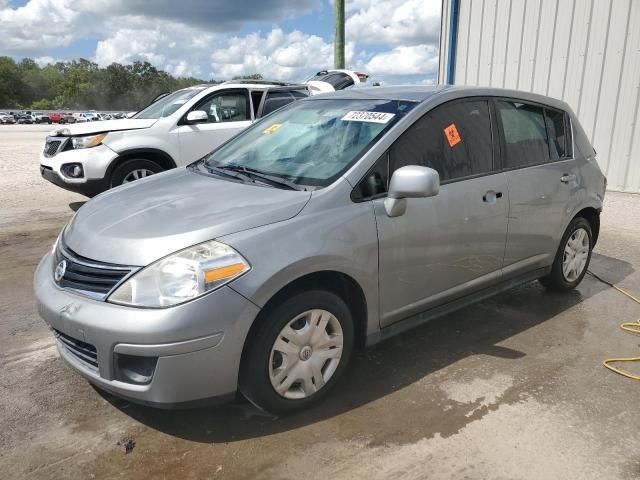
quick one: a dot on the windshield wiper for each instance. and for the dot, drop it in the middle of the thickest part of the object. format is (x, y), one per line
(271, 178)
(227, 173)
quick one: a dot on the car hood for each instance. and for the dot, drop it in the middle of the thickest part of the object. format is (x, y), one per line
(138, 223)
(87, 128)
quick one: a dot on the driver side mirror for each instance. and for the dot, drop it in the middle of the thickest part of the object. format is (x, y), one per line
(411, 181)
(197, 116)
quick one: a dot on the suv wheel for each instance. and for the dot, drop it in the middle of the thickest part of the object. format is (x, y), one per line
(573, 257)
(298, 352)
(132, 170)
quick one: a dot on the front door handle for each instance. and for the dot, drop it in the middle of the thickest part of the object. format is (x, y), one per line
(491, 196)
(568, 177)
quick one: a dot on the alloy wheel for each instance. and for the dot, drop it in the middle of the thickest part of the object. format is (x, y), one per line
(576, 254)
(137, 174)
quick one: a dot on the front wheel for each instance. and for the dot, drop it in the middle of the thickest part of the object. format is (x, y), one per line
(298, 352)
(132, 170)
(572, 258)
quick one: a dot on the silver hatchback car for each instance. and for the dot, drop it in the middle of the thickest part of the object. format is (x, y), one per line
(331, 224)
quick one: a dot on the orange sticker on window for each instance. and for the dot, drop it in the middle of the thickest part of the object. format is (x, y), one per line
(453, 137)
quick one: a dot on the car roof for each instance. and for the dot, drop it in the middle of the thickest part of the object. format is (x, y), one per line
(253, 84)
(421, 94)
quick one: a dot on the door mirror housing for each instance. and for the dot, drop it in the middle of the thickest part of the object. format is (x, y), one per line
(411, 181)
(197, 116)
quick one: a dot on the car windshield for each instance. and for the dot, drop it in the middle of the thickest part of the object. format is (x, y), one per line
(311, 142)
(169, 104)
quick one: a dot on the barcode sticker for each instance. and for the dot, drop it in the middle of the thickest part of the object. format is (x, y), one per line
(373, 117)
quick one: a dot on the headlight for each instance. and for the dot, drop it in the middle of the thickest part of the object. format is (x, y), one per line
(181, 277)
(88, 141)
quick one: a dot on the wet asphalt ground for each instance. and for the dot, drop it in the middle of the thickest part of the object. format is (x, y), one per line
(511, 388)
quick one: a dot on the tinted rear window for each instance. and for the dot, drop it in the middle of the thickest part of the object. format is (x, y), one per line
(525, 134)
(558, 132)
(279, 98)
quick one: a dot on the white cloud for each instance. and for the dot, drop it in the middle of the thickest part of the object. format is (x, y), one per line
(44, 61)
(393, 38)
(403, 60)
(175, 48)
(287, 56)
(39, 23)
(393, 22)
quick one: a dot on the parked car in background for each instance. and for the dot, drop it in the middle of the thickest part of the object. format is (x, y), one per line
(42, 118)
(326, 81)
(55, 117)
(80, 117)
(24, 118)
(175, 130)
(67, 118)
(336, 222)
(6, 118)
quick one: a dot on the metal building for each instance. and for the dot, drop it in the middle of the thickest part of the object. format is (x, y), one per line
(586, 52)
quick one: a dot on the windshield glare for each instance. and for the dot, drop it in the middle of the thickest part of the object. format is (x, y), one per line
(169, 104)
(311, 142)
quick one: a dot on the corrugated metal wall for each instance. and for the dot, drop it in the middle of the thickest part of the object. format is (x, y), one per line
(586, 52)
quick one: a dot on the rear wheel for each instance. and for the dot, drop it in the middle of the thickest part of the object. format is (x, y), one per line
(298, 352)
(132, 170)
(572, 258)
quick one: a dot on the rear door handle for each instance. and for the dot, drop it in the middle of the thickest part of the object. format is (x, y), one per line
(568, 177)
(491, 196)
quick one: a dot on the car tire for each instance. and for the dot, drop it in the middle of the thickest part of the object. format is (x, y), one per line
(315, 327)
(572, 258)
(128, 170)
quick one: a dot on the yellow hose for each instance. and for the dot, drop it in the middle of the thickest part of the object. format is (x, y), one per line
(633, 327)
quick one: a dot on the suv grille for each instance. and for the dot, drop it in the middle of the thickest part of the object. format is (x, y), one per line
(51, 148)
(53, 145)
(88, 277)
(85, 352)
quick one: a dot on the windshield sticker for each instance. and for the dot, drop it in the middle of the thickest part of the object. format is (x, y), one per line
(273, 128)
(453, 137)
(373, 117)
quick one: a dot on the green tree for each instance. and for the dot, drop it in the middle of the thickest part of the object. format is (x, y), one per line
(252, 76)
(82, 84)
(11, 86)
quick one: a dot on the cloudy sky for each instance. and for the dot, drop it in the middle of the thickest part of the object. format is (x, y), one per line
(396, 41)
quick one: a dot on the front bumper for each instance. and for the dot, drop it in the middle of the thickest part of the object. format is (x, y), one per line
(198, 344)
(95, 164)
(88, 188)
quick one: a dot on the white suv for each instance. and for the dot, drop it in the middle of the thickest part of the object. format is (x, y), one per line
(175, 130)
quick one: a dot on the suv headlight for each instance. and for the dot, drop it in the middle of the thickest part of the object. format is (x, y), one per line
(88, 141)
(182, 276)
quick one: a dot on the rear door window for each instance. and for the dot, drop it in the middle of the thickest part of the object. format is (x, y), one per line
(276, 99)
(524, 132)
(454, 139)
(558, 133)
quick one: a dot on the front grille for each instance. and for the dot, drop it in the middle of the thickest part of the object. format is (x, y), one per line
(54, 145)
(85, 352)
(51, 148)
(89, 277)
